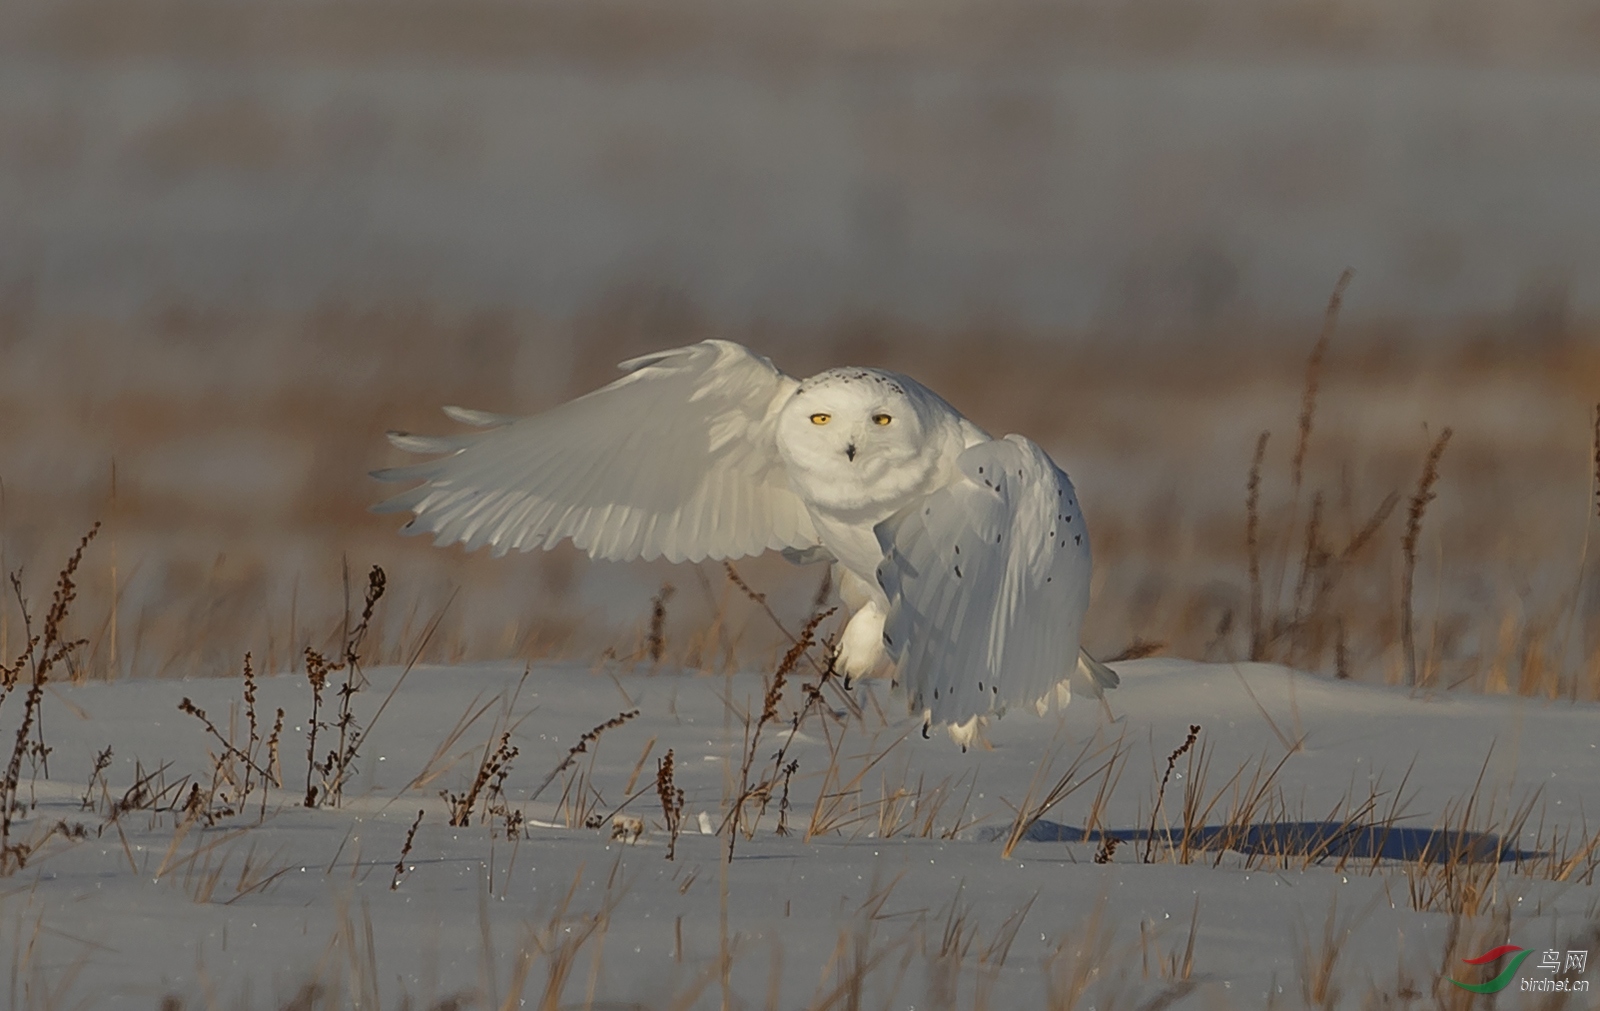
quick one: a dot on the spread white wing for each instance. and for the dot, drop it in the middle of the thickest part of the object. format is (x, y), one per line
(988, 582)
(677, 459)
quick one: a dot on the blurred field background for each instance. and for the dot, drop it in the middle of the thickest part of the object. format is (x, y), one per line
(239, 240)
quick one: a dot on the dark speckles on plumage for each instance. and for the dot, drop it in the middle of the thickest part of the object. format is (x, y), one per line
(850, 376)
(925, 731)
(958, 568)
(1077, 538)
(958, 549)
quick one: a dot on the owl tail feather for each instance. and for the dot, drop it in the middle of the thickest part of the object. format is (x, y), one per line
(1099, 676)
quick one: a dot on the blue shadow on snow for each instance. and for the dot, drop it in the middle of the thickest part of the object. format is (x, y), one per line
(1325, 840)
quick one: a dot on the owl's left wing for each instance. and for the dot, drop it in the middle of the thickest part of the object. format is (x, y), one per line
(988, 582)
(677, 459)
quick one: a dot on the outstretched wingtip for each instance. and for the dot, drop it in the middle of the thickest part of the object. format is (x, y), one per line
(388, 505)
(478, 419)
(412, 472)
(433, 444)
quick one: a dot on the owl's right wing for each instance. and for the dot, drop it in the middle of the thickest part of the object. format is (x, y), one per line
(677, 459)
(988, 582)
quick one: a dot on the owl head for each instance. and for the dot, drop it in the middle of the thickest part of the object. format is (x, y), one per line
(855, 437)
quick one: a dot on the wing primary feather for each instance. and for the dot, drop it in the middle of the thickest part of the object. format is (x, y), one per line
(429, 443)
(478, 419)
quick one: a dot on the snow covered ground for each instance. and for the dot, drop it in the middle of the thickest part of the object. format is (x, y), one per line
(900, 899)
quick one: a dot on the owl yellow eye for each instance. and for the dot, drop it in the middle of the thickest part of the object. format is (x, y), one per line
(881, 419)
(821, 419)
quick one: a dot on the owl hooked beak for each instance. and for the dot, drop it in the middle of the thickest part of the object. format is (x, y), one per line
(850, 451)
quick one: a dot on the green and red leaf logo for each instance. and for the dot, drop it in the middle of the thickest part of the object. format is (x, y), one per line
(1501, 981)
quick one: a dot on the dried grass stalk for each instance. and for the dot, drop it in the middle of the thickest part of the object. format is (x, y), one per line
(1419, 505)
(1252, 540)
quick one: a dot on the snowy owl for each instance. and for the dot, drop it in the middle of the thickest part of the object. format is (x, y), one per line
(963, 557)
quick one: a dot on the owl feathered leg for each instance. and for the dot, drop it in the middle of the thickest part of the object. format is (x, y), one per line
(861, 653)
